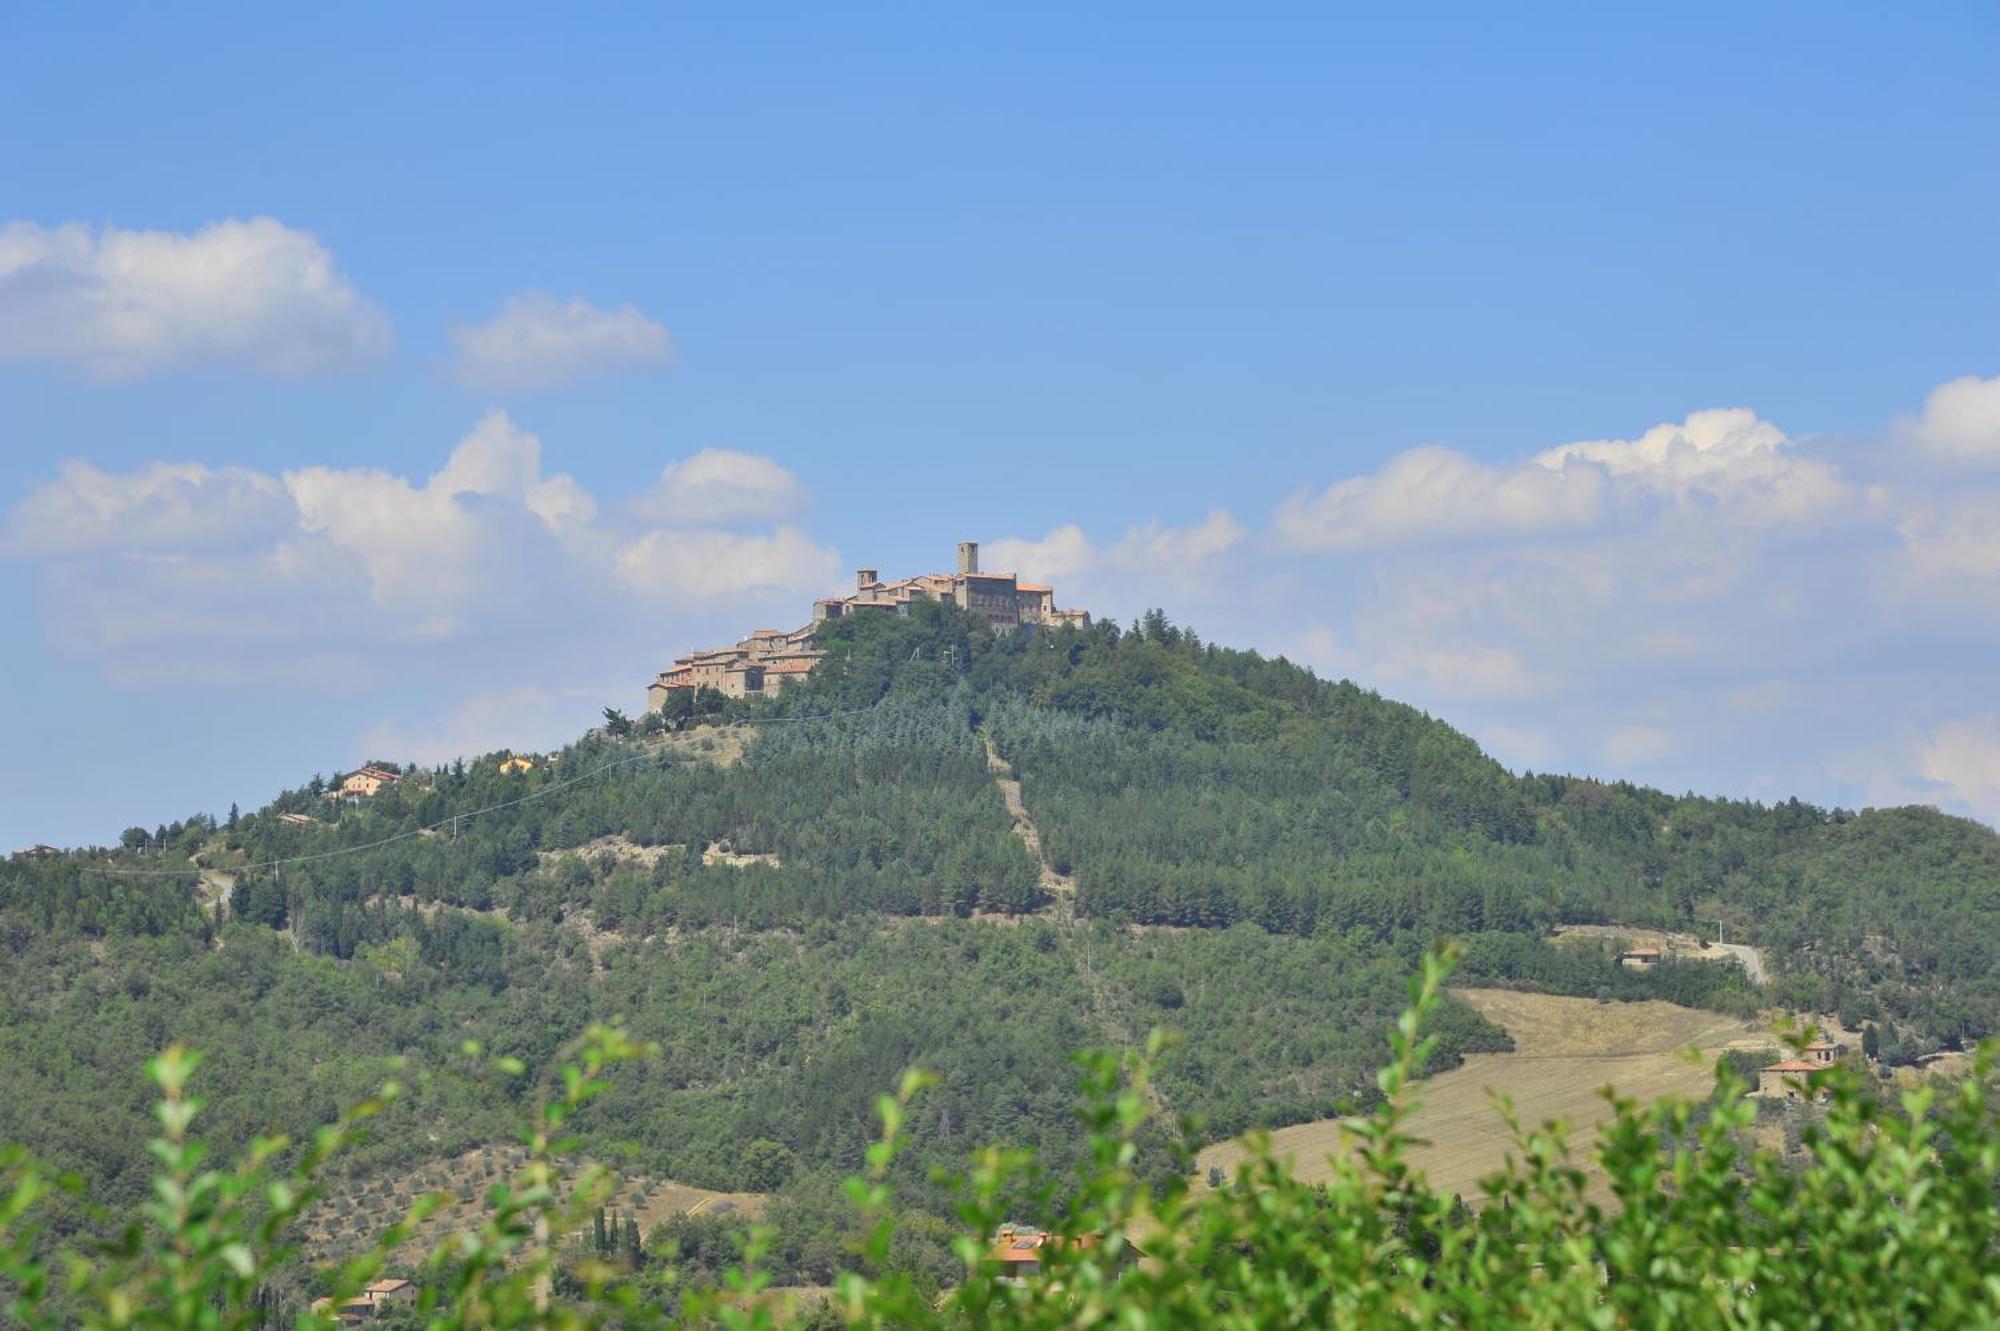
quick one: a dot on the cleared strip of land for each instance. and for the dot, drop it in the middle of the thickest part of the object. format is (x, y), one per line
(1566, 1051)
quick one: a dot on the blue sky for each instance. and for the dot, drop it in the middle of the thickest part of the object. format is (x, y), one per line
(1278, 317)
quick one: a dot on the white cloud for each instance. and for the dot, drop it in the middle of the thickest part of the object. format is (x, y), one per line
(162, 506)
(1148, 547)
(1954, 540)
(716, 564)
(1435, 495)
(1153, 545)
(1952, 764)
(525, 718)
(1064, 553)
(537, 341)
(179, 572)
(1962, 759)
(1728, 459)
(720, 485)
(1727, 456)
(1469, 670)
(116, 304)
(1151, 564)
(1960, 422)
(1705, 443)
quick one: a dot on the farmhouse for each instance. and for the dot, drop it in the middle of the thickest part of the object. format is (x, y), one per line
(365, 782)
(378, 1298)
(1018, 1251)
(769, 661)
(515, 763)
(1640, 958)
(1785, 1080)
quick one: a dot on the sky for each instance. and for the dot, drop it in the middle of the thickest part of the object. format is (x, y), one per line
(1621, 385)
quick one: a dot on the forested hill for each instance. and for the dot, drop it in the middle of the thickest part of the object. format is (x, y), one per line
(796, 900)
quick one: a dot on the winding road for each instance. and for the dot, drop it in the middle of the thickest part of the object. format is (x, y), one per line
(1753, 964)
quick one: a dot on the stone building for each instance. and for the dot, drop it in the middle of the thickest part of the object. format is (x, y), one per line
(1786, 1080)
(770, 660)
(1002, 598)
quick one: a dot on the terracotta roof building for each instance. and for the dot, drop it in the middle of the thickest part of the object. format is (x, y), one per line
(771, 660)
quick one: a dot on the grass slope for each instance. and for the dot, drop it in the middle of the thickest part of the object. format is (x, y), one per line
(1566, 1051)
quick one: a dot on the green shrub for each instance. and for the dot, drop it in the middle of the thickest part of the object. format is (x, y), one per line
(1888, 1220)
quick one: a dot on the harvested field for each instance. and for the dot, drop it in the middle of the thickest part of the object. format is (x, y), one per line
(1566, 1051)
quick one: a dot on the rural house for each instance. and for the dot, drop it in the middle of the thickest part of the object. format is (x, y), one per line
(366, 782)
(1785, 1080)
(378, 1298)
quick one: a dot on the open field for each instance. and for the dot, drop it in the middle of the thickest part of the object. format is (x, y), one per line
(1566, 1051)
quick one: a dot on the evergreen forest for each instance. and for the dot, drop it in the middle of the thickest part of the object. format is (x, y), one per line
(795, 901)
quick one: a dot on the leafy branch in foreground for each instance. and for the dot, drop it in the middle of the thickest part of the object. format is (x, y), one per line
(1889, 1222)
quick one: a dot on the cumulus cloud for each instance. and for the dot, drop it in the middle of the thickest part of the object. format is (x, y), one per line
(715, 564)
(161, 506)
(184, 572)
(526, 718)
(1707, 601)
(722, 485)
(117, 304)
(1727, 458)
(1156, 545)
(1151, 564)
(1067, 552)
(537, 341)
(1960, 423)
(1064, 553)
(1953, 541)
(1434, 495)
(1962, 759)
(1953, 764)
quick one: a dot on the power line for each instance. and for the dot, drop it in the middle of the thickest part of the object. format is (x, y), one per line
(453, 819)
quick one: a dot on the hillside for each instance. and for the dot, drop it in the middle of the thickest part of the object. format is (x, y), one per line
(1567, 1052)
(798, 900)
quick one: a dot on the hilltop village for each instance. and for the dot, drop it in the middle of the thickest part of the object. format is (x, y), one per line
(771, 660)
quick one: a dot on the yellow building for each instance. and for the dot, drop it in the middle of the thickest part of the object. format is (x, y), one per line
(366, 782)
